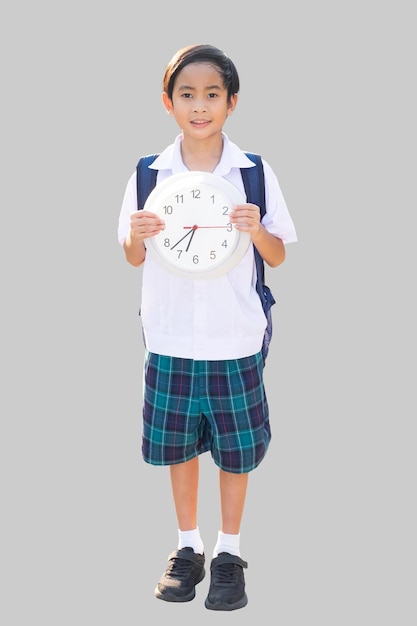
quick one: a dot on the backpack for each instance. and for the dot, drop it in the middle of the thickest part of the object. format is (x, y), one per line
(254, 184)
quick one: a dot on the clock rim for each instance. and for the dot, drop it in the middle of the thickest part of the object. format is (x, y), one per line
(172, 184)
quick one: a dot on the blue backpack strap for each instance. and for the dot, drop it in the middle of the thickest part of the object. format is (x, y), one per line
(253, 180)
(254, 183)
(145, 178)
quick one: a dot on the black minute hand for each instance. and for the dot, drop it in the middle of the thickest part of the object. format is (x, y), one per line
(190, 232)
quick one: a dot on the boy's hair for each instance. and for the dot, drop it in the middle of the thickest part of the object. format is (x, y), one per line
(201, 53)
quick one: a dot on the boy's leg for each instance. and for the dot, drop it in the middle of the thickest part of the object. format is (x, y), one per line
(185, 566)
(233, 489)
(184, 483)
(227, 585)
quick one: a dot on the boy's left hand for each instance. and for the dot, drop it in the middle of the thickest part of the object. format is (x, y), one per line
(246, 217)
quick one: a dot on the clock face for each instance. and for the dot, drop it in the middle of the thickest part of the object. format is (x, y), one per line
(198, 241)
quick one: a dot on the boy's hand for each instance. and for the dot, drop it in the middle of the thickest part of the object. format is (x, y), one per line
(246, 217)
(144, 224)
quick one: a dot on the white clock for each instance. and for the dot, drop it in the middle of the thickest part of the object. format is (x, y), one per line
(198, 240)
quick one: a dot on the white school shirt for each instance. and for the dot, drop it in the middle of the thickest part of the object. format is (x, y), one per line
(218, 318)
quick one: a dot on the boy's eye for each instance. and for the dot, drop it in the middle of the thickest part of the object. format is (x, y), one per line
(190, 95)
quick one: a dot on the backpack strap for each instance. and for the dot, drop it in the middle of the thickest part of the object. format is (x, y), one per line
(254, 183)
(145, 178)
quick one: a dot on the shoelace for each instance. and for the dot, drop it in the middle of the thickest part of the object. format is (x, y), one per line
(225, 574)
(179, 568)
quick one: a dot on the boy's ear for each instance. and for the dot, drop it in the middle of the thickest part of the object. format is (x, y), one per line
(232, 104)
(167, 102)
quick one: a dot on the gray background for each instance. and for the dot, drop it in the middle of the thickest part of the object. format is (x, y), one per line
(328, 98)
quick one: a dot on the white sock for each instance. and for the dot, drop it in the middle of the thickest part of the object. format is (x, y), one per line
(191, 539)
(227, 543)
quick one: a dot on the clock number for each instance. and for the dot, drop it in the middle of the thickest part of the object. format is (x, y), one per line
(196, 260)
(179, 198)
(225, 210)
(166, 242)
(212, 255)
(168, 210)
(225, 244)
(196, 193)
(229, 227)
(212, 198)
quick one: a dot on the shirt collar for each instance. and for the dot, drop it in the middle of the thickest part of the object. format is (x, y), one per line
(232, 157)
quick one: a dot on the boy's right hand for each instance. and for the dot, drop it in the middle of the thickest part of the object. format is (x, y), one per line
(144, 224)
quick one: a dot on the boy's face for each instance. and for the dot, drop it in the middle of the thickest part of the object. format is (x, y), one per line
(199, 101)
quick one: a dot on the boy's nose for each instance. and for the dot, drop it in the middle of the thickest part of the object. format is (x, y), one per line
(199, 105)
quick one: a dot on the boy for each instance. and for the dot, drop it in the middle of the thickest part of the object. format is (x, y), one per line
(205, 391)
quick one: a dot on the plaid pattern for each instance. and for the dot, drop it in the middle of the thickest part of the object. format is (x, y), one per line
(194, 406)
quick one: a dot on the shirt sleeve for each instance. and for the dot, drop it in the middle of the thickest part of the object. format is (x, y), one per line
(129, 206)
(277, 219)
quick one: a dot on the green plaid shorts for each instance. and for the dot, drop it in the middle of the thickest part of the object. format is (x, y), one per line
(191, 407)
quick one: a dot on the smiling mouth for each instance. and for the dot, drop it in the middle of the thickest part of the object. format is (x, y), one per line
(199, 122)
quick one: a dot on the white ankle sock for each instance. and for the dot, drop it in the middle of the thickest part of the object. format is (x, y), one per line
(227, 543)
(190, 539)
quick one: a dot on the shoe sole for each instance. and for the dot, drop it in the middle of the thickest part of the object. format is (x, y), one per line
(225, 606)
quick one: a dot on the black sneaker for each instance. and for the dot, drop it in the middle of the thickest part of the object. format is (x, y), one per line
(227, 585)
(185, 570)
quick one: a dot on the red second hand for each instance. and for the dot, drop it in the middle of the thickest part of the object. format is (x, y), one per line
(195, 226)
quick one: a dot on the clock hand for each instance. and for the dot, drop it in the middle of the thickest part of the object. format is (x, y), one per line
(195, 227)
(192, 230)
(191, 238)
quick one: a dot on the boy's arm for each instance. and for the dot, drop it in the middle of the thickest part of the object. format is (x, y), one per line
(143, 224)
(270, 247)
(247, 217)
(135, 250)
